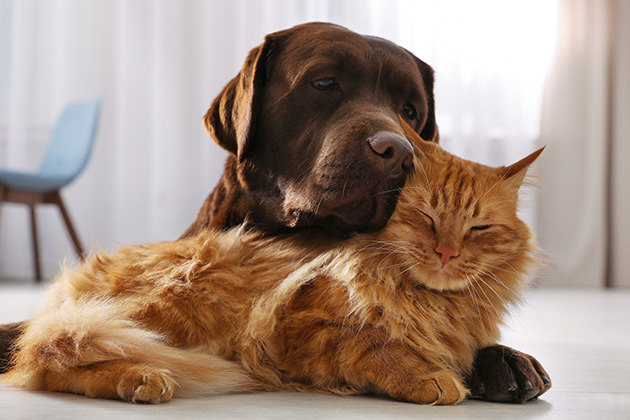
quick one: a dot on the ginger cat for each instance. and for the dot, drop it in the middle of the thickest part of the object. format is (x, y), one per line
(400, 312)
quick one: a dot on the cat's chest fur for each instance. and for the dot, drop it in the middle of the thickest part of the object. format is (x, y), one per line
(344, 304)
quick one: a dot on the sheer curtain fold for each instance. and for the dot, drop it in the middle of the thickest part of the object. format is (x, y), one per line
(157, 65)
(580, 219)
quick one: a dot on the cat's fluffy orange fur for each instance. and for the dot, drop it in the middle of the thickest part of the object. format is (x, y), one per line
(400, 312)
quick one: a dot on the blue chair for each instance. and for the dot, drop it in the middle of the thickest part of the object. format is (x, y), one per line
(66, 157)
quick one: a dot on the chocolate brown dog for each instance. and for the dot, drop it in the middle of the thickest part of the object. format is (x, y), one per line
(311, 122)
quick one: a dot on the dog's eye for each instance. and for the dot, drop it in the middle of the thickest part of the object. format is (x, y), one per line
(327, 83)
(409, 111)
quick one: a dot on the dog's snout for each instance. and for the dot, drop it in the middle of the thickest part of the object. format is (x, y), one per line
(394, 151)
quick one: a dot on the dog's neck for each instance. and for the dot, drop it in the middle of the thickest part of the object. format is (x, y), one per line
(235, 201)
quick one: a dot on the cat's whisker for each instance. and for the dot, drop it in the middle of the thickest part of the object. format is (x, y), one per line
(394, 249)
(393, 242)
(497, 282)
(391, 191)
(407, 269)
(494, 278)
(424, 175)
(478, 279)
(381, 248)
(386, 247)
(414, 188)
(505, 304)
(499, 263)
(506, 270)
(486, 272)
(377, 242)
(472, 296)
(385, 258)
(481, 301)
(386, 253)
(395, 265)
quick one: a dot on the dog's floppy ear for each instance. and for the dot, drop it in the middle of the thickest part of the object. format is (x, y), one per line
(429, 131)
(231, 119)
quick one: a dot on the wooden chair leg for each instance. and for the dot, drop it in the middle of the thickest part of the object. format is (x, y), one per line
(1, 199)
(73, 235)
(38, 271)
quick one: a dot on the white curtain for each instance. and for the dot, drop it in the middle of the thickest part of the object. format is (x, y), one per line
(583, 210)
(157, 65)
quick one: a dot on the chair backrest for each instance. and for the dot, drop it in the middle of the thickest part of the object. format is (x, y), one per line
(72, 140)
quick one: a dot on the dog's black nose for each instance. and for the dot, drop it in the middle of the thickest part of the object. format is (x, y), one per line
(394, 151)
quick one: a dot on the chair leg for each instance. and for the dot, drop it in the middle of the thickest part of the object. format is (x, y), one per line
(38, 271)
(1, 199)
(73, 235)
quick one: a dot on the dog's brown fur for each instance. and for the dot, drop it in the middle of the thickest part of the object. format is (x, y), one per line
(382, 313)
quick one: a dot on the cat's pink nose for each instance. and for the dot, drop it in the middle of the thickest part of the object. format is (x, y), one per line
(446, 254)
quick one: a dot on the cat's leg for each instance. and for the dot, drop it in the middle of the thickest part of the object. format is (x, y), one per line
(387, 366)
(121, 379)
(88, 355)
(440, 388)
(502, 374)
(156, 374)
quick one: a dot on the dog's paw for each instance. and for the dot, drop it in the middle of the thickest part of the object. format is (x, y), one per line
(146, 384)
(502, 374)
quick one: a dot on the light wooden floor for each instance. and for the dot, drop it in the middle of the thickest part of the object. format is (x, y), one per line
(582, 337)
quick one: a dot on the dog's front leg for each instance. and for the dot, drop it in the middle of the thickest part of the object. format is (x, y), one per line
(502, 374)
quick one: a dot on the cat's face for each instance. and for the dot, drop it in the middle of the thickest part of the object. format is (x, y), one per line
(456, 220)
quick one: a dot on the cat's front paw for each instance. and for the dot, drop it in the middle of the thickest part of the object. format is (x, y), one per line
(146, 384)
(441, 388)
(502, 374)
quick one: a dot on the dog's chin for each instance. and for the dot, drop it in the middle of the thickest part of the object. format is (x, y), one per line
(369, 211)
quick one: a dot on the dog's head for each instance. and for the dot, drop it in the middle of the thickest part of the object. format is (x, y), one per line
(312, 124)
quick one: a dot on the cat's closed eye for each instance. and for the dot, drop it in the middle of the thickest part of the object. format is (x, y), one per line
(481, 227)
(429, 219)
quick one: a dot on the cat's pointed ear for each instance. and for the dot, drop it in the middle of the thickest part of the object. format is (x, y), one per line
(415, 139)
(516, 172)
